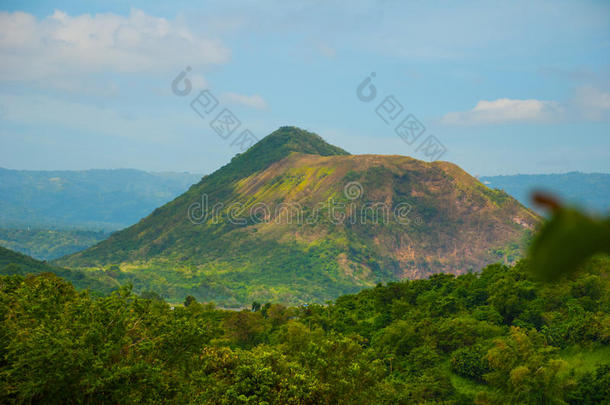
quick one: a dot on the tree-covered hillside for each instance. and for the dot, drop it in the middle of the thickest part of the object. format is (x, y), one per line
(498, 337)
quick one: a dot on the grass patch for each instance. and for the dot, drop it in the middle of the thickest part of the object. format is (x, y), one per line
(585, 360)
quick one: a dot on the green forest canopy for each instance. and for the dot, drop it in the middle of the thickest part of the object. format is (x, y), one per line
(493, 338)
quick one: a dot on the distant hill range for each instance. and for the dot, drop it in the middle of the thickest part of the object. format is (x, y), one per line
(91, 199)
(49, 244)
(297, 220)
(590, 191)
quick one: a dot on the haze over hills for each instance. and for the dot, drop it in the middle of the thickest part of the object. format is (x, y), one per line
(360, 220)
(49, 244)
(89, 199)
(591, 191)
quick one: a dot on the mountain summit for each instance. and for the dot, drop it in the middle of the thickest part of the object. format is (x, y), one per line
(295, 219)
(274, 147)
(292, 139)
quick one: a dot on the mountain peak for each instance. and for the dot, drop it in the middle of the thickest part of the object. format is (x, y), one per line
(273, 148)
(289, 139)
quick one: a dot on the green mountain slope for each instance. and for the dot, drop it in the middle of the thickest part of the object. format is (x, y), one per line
(299, 220)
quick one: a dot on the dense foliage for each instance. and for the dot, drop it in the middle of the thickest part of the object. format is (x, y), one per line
(491, 338)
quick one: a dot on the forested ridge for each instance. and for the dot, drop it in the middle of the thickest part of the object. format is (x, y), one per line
(495, 337)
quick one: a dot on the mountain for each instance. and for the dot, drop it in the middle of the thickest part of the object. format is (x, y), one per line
(590, 191)
(89, 199)
(303, 221)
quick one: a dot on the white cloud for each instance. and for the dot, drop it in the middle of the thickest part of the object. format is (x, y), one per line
(254, 101)
(505, 110)
(59, 45)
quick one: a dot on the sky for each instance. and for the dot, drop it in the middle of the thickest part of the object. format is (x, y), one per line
(497, 87)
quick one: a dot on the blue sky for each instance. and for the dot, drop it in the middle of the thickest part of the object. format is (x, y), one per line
(511, 87)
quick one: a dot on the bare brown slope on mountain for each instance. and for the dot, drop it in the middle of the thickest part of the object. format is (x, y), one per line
(455, 223)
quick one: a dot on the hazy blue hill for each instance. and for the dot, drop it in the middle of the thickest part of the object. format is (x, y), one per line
(90, 199)
(589, 190)
(49, 244)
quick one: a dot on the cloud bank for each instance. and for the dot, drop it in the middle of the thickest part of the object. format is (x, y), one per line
(60, 44)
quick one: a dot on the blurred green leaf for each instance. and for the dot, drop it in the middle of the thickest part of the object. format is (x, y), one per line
(567, 240)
